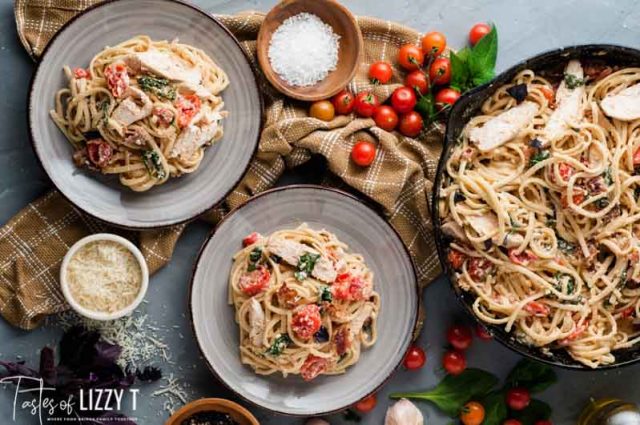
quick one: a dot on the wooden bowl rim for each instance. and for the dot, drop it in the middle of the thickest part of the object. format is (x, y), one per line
(210, 404)
(292, 91)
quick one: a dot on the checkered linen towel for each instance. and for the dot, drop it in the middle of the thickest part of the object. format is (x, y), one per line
(33, 243)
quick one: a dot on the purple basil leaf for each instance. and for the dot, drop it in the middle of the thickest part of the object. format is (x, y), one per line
(18, 369)
(106, 352)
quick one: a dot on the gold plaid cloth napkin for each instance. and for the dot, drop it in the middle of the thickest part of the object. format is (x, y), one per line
(33, 242)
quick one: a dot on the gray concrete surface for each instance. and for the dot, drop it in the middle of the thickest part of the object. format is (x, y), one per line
(525, 28)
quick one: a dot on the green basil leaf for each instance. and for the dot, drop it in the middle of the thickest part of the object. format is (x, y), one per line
(459, 72)
(426, 107)
(537, 410)
(495, 408)
(483, 77)
(451, 394)
(482, 57)
(534, 376)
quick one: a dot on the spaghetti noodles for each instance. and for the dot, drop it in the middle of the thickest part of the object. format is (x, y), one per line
(144, 110)
(544, 217)
(304, 304)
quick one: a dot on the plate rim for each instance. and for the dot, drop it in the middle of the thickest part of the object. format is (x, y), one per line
(165, 223)
(365, 204)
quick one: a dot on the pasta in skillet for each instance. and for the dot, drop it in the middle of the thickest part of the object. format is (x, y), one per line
(144, 110)
(540, 201)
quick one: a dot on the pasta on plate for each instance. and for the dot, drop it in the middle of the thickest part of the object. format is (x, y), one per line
(540, 202)
(144, 110)
(304, 304)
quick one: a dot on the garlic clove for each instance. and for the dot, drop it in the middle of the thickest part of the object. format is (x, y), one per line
(403, 412)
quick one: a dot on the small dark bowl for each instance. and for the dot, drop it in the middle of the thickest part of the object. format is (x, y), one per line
(463, 110)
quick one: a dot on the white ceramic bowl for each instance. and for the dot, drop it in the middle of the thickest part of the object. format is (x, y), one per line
(98, 315)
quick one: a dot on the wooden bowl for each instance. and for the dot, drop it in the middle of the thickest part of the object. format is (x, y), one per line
(237, 412)
(350, 53)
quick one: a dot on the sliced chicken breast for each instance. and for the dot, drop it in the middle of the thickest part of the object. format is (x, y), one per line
(487, 224)
(134, 107)
(568, 104)
(291, 251)
(504, 127)
(256, 321)
(624, 105)
(195, 135)
(164, 65)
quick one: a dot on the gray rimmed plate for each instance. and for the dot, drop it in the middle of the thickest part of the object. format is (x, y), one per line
(365, 232)
(180, 199)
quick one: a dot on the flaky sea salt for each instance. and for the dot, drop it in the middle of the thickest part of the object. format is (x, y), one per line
(303, 50)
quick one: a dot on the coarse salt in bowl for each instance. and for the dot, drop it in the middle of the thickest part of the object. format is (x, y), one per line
(104, 277)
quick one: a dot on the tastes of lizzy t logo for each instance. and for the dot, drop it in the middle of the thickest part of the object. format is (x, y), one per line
(33, 396)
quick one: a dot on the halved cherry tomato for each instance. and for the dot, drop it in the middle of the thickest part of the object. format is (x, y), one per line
(454, 362)
(352, 288)
(478, 268)
(440, 71)
(366, 104)
(363, 153)
(472, 413)
(483, 333)
(410, 57)
(518, 398)
(366, 404)
(459, 337)
(411, 124)
(415, 358)
(312, 367)
(188, 106)
(537, 309)
(456, 259)
(99, 152)
(446, 97)
(117, 78)
(523, 258)
(578, 198)
(433, 43)
(80, 73)
(636, 157)
(477, 32)
(254, 282)
(386, 118)
(164, 115)
(579, 330)
(250, 239)
(343, 102)
(565, 170)
(403, 99)
(380, 72)
(628, 312)
(322, 110)
(417, 81)
(306, 321)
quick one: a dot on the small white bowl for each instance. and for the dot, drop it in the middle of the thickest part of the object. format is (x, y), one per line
(97, 315)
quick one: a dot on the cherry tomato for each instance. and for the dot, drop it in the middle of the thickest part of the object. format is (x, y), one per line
(454, 362)
(367, 404)
(483, 333)
(250, 239)
(512, 422)
(518, 398)
(386, 118)
(352, 288)
(566, 170)
(366, 104)
(80, 73)
(537, 309)
(403, 99)
(543, 422)
(415, 358)
(578, 198)
(165, 116)
(117, 78)
(446, 97)
(548, 93)
(363, 153)
(433, 43)
(343, 102)
(410, 57)
(417, 81)
(322, 110)
(478, 268)
(99, 152)
(440, 71)
(306, 321)
(254, 282)
(575, 334)
(313, 366)
(472, 413)
(523, 258)
(459, 337)
(456, 259)
(188, 106)
(477, 32)
(380, 72)
(411, 124)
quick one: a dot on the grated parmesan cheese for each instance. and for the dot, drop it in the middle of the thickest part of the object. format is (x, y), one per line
(104, 276)
(303, 50)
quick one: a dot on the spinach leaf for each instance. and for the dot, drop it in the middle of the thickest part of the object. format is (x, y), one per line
(538, 157)
(158, 86)
(453, 392)
(495, 408)
(572, 81)
(536, 410)
(326, 294)
(534, 376)
(306, 263)
(254, 257)
(152, 162)
(565, 246)
(279, 345)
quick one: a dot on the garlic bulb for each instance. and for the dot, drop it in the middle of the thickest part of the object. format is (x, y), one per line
(403, 413)
(317, 421)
